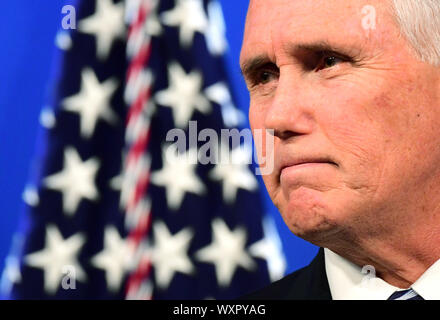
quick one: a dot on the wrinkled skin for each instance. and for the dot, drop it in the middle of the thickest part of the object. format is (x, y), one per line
(362, 103)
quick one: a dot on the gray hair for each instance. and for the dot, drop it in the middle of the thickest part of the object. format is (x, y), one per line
(419, 22)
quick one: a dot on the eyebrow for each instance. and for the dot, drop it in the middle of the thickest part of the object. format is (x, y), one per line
(325, 46)
(250, 65)
(255, 63)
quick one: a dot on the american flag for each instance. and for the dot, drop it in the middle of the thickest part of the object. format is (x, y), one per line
(107, 216)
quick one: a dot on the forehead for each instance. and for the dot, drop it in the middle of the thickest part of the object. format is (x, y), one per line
(272, 25)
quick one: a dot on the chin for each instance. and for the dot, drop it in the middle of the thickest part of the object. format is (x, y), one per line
(309, 216)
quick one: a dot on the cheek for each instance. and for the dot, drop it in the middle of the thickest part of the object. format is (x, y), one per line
(359, 144)
(361, 138)
(371, 131)
(353, 131)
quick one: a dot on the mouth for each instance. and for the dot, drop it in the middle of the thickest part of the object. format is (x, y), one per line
(305, 163)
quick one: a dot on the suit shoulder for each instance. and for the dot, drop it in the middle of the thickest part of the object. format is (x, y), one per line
(309, 282)
(278, 290)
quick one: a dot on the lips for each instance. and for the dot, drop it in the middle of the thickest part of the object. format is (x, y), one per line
(304, 161)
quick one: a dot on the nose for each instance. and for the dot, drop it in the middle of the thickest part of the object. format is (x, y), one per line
(290, 112)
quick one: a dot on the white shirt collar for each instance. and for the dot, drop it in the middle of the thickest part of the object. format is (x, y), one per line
(348, 281)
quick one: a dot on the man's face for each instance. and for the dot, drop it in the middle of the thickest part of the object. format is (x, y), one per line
(353, 104)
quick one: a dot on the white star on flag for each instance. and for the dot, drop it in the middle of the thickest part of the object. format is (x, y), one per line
(227, 251)
(183, 95)
(114, 259)
(219, 93)
(12, 271)
(58, 254)
(170, 253)
(75, 181)
(48, 118)
(178, 175)
(270, 249)
(63, 40)
(116, 182)
(152, 26)
(216, 31)
(92, 102)
(30, 196)
(233, 170)
(190, 16)
(11, 274)
(107, 24)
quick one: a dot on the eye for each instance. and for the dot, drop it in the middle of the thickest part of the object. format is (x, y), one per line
(262, 77)
(329, 61)
(265, 77)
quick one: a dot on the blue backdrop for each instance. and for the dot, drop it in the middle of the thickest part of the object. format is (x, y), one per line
(27, 32)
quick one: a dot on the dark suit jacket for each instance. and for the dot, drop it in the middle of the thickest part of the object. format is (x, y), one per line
(308, 283)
